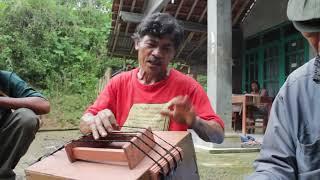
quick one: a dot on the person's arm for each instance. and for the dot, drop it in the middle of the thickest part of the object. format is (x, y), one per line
(20, 95)
(99, 118)
(277, 158)
(209, 131)
(38, 104)
(182, 111)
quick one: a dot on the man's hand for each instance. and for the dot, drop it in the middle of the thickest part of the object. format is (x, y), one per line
(99, 125)
(181, 110)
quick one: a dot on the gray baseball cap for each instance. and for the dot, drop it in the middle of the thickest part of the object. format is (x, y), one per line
(305, 14)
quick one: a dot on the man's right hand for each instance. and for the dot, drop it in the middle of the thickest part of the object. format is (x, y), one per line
(99, 125)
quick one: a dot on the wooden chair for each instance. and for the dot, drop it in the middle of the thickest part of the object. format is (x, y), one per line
(257, 118)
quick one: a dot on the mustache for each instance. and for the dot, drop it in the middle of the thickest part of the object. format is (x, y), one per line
(154, 60)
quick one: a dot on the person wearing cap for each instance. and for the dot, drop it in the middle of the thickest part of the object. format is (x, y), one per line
(291, 145)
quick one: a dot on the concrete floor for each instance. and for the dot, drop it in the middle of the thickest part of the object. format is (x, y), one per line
(44, 142)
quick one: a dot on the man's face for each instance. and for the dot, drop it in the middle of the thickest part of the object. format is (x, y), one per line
(154, 54)
(314, 39)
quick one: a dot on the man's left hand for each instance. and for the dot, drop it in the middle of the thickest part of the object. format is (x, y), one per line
(181, 110)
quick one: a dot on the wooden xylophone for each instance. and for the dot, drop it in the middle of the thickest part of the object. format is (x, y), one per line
(138, 154)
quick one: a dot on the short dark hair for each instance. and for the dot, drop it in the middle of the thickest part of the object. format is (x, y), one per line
(159, 25)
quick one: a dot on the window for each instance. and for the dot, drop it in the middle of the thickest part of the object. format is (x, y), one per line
(294, 54)
(271, 60)
(251, 69)
(272, 55)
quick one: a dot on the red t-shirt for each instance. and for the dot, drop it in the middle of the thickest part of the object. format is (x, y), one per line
(124, 90)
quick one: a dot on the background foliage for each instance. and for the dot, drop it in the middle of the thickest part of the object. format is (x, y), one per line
(60, 48)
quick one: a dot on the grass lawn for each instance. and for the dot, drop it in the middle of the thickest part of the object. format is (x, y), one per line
(225, 166)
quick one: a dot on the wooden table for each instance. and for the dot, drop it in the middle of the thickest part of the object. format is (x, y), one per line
(248, 99)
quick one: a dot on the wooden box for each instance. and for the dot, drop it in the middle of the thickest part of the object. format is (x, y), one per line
(58, 166)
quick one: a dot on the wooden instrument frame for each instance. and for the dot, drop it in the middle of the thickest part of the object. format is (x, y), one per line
(165, 158)
(128, 148)
(123, 148)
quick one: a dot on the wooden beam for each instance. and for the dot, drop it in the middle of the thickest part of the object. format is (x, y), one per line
(155, 6)
(203, 13)
(192, 26)
(165, 8)
(178, 9)
(131, 51)
(202, 40)
(187, 25)
(192, 8)
(243, 7)
(131, 17)
(115, 33)
(133, 5)
(116, 38)
(131, 9)
(185, 43)
(118, 14)
(127, 28)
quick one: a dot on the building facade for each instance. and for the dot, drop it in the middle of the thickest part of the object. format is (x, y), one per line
(272, 48)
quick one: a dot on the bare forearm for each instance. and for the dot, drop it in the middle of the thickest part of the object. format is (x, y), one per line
(37, 104)
(209, 131)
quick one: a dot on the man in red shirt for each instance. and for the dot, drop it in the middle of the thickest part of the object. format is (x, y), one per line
(153, 95)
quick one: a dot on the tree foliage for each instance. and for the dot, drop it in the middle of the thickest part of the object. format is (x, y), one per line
(59, 46)
(55, 44)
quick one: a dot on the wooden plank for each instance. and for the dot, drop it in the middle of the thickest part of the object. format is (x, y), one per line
(236, 99)
(187, 25)
(178, 9)
(165, 8)
(155, 6)
(244, 116)
(99, 154)
(192, 8)
(202, 40)
(237, 16)
(203, 13)
(131, 9)
(118, 13)
(132, 49)
(133, 5)
(116, 38)
(40, 176)
(117, 29)
(145, 142)
(185, 43)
